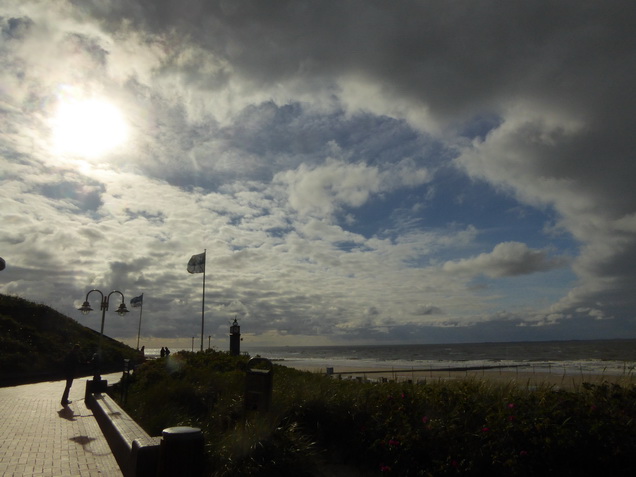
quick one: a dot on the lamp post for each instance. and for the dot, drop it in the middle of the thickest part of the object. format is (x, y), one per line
(86, 309)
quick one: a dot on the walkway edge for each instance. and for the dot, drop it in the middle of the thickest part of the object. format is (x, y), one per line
(136, 452)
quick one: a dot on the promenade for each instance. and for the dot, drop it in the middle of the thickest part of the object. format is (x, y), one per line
(38, 437)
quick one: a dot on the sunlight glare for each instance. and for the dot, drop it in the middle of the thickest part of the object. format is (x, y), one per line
(88, 128)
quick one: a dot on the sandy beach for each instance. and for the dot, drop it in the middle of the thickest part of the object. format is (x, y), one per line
(522, 376)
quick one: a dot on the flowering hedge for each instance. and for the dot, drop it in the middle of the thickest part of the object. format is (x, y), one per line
(479, 428)
(320, 426)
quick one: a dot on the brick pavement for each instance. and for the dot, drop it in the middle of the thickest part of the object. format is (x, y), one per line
(38, 437)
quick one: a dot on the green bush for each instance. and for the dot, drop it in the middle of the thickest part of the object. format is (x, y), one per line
(320, 426)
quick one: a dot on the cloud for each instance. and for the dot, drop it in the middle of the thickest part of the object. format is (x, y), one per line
(338, 160)
(429, 310)
(324, 189)
(507, 259)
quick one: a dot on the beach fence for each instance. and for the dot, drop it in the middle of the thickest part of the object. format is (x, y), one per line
(529, 374)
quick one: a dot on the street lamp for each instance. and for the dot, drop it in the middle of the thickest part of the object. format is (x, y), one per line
(86, 309)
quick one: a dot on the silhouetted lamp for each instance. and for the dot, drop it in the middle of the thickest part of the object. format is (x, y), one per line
(86, 309)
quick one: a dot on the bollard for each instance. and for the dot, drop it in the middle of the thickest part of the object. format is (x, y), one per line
(258, 384)
(125, 381)
(181, 453)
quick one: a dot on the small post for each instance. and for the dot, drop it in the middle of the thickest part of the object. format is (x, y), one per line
(125, 380)
(258, 384)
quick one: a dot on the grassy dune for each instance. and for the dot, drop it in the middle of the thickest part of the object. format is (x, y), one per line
(34, 339)
(321, 426)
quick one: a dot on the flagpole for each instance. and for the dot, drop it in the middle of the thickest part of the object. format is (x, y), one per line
(141, 309)
(203, 300)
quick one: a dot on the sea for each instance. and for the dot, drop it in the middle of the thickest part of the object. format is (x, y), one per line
(603, 357)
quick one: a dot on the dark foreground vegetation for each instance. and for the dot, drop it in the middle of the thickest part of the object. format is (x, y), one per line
(34, 339)
(320, 426)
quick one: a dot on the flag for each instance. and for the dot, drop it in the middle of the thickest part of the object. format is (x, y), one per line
(197, 263)
(137, 301)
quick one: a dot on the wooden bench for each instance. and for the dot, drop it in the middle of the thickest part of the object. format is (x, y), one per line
(135, 451)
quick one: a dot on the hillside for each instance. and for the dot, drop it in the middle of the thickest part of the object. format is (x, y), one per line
(35, 338)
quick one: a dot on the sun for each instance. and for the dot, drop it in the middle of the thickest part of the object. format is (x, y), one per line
(88, 127)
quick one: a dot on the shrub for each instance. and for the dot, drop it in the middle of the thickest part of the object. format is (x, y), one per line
(468, 427)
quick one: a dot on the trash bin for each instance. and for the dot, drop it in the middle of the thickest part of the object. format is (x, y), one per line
(181, 453)
(258, 384)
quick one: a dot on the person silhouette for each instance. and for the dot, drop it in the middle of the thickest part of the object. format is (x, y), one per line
(70, 365)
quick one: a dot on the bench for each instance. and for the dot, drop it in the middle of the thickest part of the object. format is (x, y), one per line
(135, 451)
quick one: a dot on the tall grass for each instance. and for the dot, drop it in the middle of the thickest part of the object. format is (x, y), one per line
(319, 426)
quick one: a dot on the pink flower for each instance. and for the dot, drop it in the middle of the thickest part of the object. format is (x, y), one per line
(512, 418)
(523, 453)
(485, 429)
(385, 468)
(511, 405)
(425, 420)
(393, 442)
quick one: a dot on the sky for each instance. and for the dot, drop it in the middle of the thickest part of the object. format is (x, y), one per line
(359, 172)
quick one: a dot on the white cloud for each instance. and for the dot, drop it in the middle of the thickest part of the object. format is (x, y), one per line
(323, 190)
(507, 259)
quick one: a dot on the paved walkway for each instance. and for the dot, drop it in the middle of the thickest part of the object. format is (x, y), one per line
(38, 437)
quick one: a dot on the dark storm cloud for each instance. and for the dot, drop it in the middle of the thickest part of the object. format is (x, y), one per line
(457, 58)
